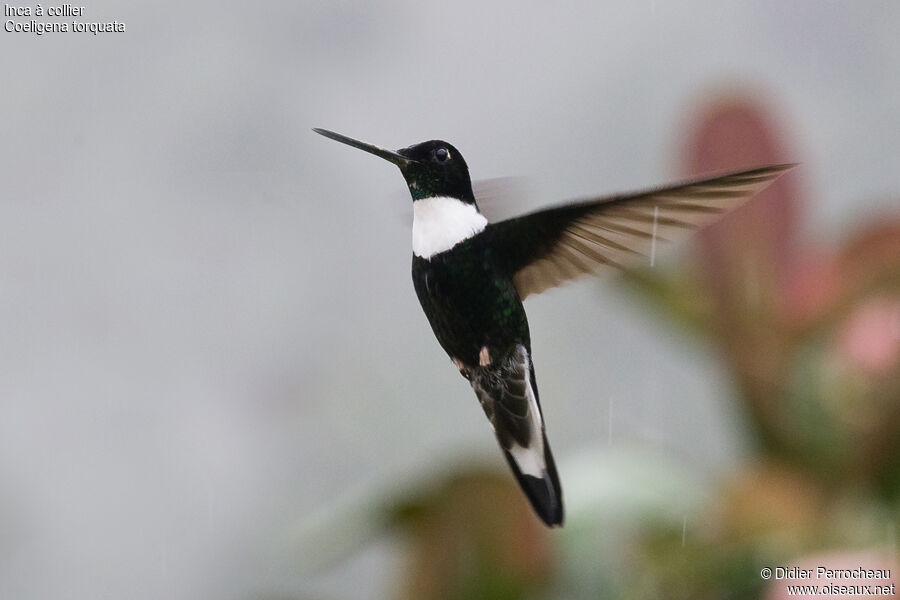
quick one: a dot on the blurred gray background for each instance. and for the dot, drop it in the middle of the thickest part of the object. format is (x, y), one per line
(209, 335)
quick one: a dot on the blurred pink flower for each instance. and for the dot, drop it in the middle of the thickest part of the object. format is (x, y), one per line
(870, 338)
(737, 131)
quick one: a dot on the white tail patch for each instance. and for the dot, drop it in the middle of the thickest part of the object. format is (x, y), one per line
(530, 460)
(440, 223)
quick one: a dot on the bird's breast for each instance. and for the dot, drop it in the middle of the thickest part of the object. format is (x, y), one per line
(440, 223)
(469, 303)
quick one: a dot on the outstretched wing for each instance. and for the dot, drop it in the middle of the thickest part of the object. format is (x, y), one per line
(549, 247)
(508, 395)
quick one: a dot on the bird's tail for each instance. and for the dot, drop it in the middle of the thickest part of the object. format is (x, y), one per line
(508, 394)
(542, 489)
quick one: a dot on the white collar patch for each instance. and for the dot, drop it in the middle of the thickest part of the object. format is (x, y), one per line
(440, 223)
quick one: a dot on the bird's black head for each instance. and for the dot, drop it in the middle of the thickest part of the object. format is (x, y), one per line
(433, 168)
(436, 169)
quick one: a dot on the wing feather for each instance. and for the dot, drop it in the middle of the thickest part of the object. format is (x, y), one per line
(549, 247)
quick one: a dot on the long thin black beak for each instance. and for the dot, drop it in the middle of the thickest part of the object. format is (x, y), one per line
(389, 155)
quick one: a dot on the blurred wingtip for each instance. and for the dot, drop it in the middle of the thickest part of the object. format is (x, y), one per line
(784, 167)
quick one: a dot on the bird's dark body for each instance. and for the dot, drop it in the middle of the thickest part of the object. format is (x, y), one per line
(473, 305)
(470, 302)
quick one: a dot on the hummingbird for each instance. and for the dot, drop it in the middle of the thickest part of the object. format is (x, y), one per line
(471, 277)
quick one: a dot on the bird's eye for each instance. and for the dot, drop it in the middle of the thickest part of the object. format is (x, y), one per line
(441, 155)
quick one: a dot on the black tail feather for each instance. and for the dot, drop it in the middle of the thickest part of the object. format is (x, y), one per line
(544, 493)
